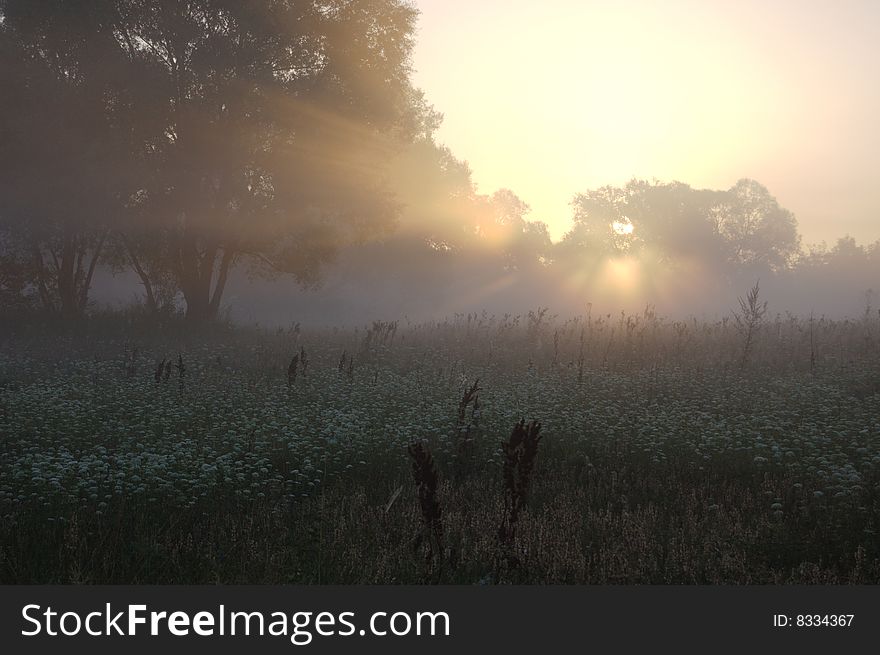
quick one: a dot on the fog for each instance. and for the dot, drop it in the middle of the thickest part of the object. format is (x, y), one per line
(292, 292)
(456, 254)
(151, 161)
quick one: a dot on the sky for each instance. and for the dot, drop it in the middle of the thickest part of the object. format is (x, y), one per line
(554, 97)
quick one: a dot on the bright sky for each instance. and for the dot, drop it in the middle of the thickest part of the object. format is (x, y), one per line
(553, 97)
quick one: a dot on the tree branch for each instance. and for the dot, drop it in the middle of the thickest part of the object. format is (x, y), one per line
(87, 282)
(152, 305)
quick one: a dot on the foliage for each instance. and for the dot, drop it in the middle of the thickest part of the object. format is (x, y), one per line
(200, 134)
(743, 226)
(661, 461)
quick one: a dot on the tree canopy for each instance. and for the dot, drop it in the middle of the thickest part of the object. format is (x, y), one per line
(742, 227)
(188, 141)
(253, 130)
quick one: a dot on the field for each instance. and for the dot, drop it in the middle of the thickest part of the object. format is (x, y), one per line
(146, 451)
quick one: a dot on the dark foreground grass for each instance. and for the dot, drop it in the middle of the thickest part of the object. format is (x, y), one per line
(657, 462)
(618, 523)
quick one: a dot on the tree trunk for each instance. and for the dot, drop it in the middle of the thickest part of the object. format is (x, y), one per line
(74, 281)
(86, 283)
(198, 308)
(222, 276)
(67, 277)
(62, 279)
(197, 275)
(150, 296)
(42, 282)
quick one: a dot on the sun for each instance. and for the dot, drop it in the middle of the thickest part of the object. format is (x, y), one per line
(623, 227)
(622, 276)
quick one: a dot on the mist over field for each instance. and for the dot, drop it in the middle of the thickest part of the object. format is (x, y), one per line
(349, 295)
(366, 291)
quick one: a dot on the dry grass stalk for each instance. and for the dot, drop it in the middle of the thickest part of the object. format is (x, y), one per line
(303, 360)
(393, 498)
(749, 320)
(464, 438)
(520, 453)
(292, 370)
(131, 361)
(181, 371)
(580, 361)
(341, 365)
(469, 396)
(427, 481)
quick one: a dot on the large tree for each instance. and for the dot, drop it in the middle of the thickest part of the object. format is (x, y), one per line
(279, 116)
(759, 232)
(68, 135)
(743, 227)
(194, 134)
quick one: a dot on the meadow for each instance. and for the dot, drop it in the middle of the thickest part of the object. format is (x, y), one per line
(140, 450)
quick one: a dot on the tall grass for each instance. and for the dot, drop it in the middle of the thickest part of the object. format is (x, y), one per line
(665, 455)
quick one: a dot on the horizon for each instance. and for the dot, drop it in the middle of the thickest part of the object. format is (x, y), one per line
(269, 319)
(429, 164)
(789, 70)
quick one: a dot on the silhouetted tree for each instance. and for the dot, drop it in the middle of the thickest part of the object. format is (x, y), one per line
(15, 287)
(435, 193)
(69, 141)
(192, 135)
(280, 116)
(502, 224)
(744, 226)
(595, 213)
(757, 230)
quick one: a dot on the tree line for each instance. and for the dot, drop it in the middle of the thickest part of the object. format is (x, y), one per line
(189, 141)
